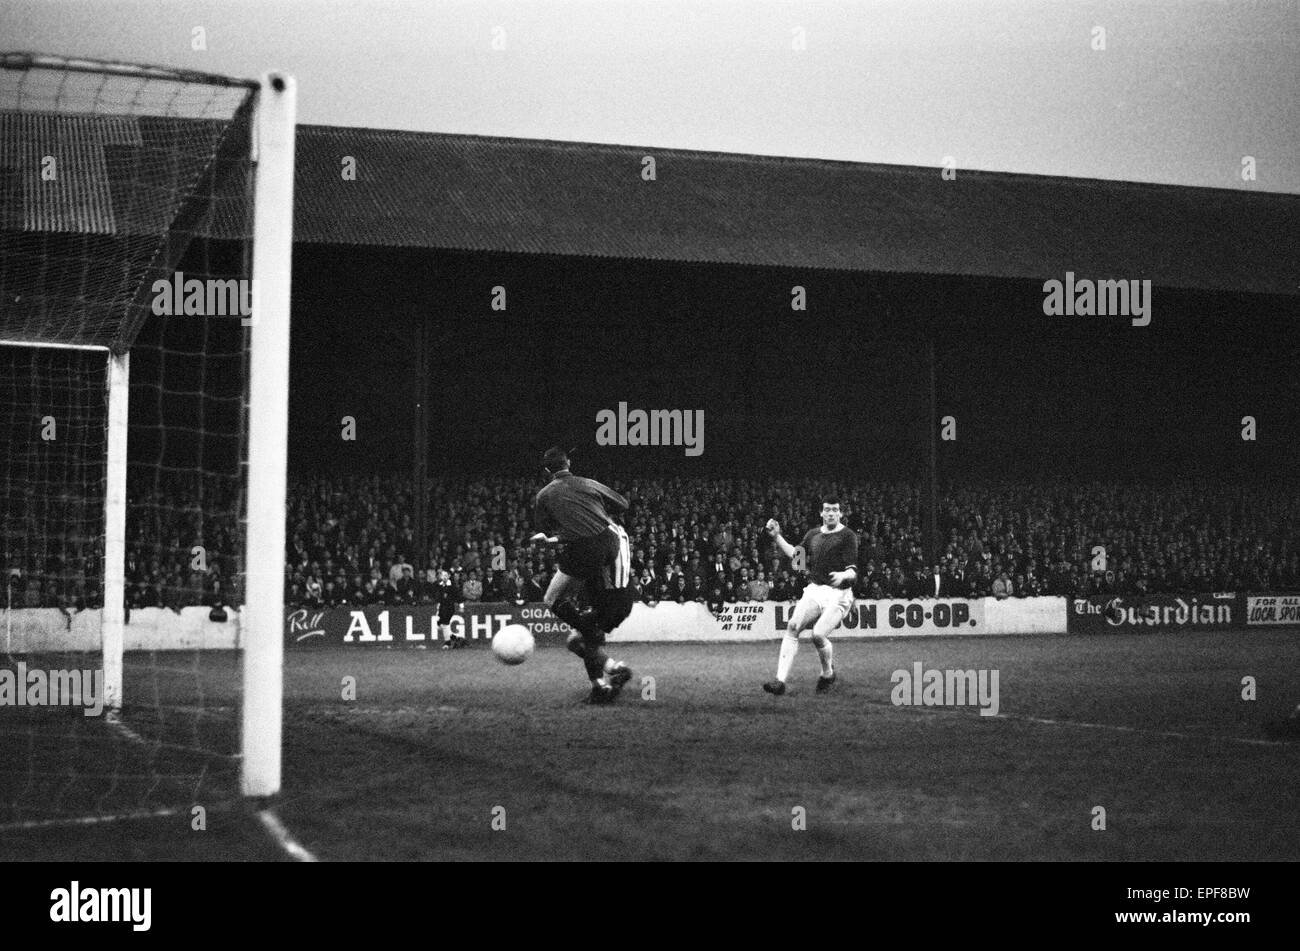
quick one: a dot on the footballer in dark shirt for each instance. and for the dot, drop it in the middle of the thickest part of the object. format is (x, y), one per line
(831, 558)
(594, 555)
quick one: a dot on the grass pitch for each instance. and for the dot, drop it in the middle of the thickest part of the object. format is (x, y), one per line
(438, 747)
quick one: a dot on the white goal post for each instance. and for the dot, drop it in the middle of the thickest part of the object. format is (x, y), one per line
(273, 143)
(114, 621)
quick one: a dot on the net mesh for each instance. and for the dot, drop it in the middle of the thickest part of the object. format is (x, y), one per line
(125, 229)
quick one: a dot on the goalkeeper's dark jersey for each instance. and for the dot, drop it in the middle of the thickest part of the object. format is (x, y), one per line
(829, 551)
(571, 507)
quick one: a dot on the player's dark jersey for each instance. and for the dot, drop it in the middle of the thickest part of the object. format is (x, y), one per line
(444, 596)
(571, 507)
(829, 551)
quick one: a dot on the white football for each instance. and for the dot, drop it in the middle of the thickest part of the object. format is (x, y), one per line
(512, 644)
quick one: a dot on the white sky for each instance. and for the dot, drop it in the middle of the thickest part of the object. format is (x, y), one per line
(1184, 89)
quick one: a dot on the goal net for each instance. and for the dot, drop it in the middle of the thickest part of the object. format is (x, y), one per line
(145, 227)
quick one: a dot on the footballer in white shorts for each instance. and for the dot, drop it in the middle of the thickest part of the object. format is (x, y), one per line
(822, 603)
(831, 553)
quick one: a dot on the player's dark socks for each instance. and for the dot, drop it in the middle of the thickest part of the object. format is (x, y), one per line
(575, 645)
(594, 660)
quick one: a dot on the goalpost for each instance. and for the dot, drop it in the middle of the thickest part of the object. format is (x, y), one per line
(268, 438)
(144, 212)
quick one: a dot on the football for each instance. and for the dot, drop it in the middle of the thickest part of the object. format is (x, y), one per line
(512, 644)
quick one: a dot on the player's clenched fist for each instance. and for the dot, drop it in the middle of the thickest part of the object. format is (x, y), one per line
(773, 527)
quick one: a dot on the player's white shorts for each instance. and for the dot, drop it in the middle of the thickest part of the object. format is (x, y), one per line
(823, 603)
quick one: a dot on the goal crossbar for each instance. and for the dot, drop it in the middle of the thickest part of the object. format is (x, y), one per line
(19, 59)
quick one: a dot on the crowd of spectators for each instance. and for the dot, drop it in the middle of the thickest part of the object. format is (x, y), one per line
(352, 541)
(183, 542)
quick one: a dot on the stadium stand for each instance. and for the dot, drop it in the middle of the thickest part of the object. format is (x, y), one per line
(351, 541)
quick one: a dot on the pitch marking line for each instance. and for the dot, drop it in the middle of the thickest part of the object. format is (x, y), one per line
(1119, 728)
(386, 711)
(1114, 727)
(30, 824)
(1011, 717)
(292, 847)
(114, 719)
